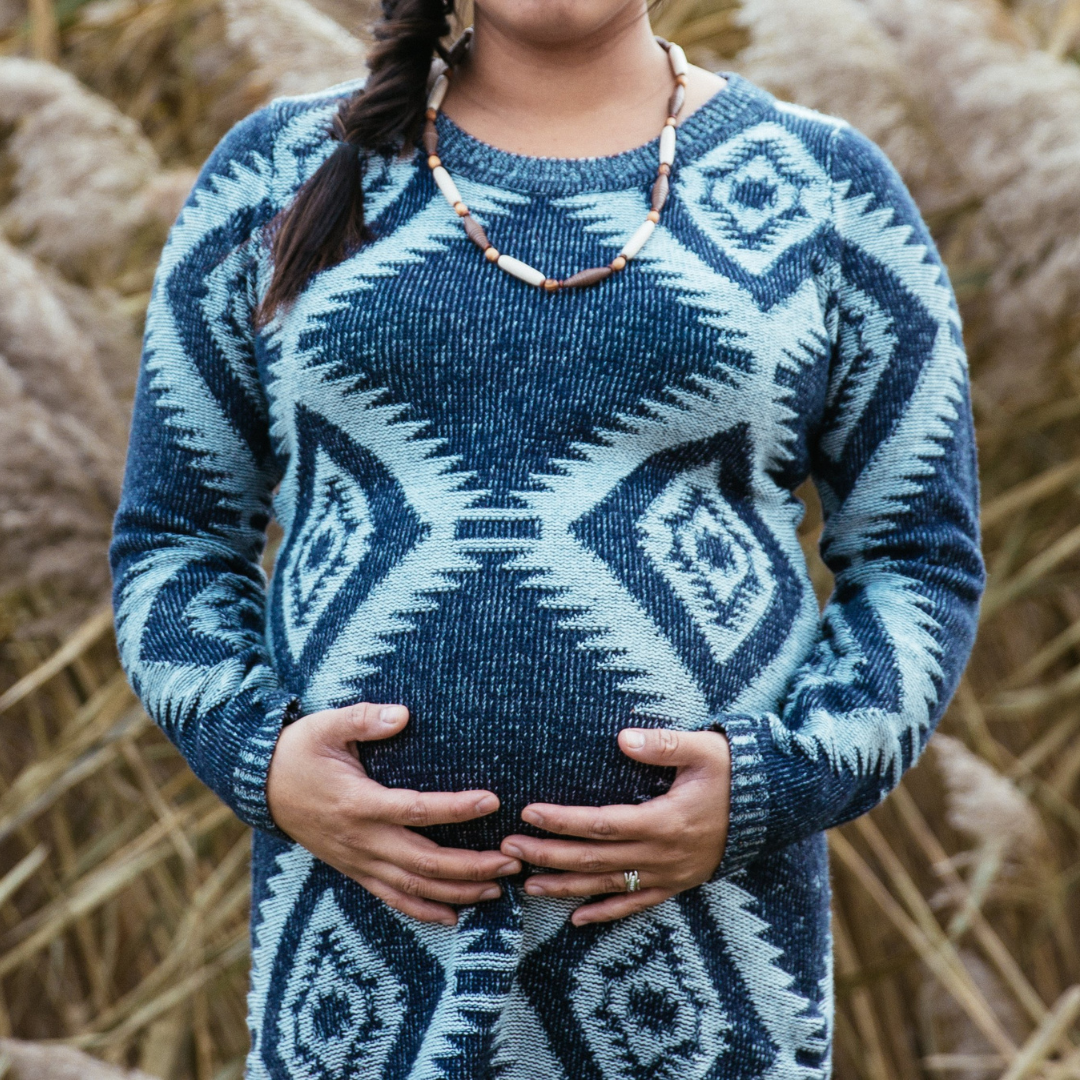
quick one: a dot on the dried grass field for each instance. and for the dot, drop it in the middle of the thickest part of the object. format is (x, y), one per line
(123, 882)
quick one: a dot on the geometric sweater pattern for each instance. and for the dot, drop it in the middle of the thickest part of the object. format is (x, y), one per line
(535, 519)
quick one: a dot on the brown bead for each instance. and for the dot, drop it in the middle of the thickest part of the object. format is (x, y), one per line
(475, 232)
(680, 79)
(491, 254)
(434, 161)
(660, 191)
(664, 170)
(671, 121)
(551, 284)
(618, 263)
(587, 277)
(461, 209)
(430, 114)
(431, 138)
(678, 99)
(653, 216)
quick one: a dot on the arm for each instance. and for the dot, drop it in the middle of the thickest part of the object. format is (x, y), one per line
(188, 588)
(895, 465)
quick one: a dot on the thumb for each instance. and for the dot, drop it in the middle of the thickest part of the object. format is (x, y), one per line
(663, 746)
(363, 722)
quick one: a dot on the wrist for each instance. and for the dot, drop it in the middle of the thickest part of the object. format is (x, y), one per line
(747, 791)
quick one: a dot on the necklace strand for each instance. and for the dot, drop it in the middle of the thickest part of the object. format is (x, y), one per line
(475, 231)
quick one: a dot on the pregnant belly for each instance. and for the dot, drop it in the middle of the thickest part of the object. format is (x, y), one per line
(502, 697)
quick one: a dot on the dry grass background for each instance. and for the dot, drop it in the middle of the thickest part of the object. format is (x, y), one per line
(123, 883)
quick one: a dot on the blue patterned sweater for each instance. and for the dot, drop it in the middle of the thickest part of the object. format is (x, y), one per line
(535, 519)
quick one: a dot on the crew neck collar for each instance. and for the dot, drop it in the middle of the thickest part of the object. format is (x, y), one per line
(730, 108)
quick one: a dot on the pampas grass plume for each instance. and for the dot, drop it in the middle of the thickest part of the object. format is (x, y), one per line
(982, 804)
(295, 46)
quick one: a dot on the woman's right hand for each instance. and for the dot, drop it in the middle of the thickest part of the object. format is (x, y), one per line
(321, 796)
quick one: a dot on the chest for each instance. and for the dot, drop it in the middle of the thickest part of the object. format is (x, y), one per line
(509, 379)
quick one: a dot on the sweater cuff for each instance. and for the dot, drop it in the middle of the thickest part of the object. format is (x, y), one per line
(253, 762)
(749, 794)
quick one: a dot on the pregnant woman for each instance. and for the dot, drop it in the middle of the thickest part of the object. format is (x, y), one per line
(526, 342)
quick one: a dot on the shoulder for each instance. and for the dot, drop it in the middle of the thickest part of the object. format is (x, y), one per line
(252, 172)
(745, 115)
(758, 168)
(755, 178)
(819, 151)
(275, 147)
(762, 175)
(823, 145)
(865, 178)
(853, 162)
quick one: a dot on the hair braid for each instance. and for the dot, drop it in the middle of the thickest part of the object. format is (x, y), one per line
(325, 221)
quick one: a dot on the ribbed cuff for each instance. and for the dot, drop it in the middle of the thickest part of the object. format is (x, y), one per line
(253, 762)
(749, 794)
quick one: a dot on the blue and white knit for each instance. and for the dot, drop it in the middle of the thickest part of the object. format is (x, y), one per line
(537, 518)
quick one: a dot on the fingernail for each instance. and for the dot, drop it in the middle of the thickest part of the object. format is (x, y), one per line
(634, 739)
(448, 920)
(392, 714)
(486, 804)
(507, 868)
(534, 889)
(512, 849)
(490, 894)
(532, 817)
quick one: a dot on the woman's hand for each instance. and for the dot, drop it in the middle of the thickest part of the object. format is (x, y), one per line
(674, 841)
(321, 796)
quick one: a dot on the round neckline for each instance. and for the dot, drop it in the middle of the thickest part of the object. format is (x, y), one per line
(467, 156)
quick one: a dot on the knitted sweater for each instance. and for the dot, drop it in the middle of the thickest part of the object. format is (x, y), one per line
(535, 519)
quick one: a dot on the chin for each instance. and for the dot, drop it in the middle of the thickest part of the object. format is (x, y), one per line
(551, 23)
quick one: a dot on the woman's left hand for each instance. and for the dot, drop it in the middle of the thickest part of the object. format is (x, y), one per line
(674, 841)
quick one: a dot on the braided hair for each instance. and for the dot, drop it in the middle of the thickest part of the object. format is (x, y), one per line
(325, 221)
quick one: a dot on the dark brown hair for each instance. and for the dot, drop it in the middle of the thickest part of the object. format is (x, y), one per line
(325, 221)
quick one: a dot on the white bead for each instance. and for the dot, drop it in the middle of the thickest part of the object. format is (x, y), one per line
(677, 59)
(667, 145)
(438, 92)
(520, 270)
(438, 66)
(446, 185)
(637, 241)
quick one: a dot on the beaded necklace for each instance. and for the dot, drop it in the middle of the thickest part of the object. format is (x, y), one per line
(443, 69)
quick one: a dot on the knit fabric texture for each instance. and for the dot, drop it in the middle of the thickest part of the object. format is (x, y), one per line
(535, 519)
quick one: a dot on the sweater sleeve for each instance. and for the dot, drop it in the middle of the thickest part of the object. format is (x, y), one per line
(894, 462)
(188, 588)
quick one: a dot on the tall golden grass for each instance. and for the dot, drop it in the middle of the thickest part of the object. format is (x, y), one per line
(124, 892)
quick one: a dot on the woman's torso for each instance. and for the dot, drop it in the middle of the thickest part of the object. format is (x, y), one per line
(535, 519)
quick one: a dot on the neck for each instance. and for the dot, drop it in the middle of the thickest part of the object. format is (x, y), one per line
(595, 92)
